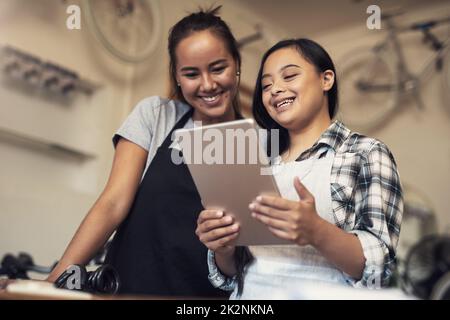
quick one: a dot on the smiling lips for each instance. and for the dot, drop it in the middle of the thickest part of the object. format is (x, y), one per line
(212, 99)
(283, 103)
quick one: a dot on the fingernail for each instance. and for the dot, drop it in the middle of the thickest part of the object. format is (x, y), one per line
(259, 198)
(251, 206)
(228, 219)
(219, 213)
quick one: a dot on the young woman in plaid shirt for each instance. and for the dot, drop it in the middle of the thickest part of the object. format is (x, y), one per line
(342, 199)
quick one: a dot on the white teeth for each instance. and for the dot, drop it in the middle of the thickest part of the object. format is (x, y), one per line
(284, 103)
(210, 99)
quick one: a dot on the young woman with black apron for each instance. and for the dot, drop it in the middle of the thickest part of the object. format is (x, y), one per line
(156, 251)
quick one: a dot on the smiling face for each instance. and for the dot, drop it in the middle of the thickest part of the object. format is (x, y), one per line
(294, 92)
(206, 72)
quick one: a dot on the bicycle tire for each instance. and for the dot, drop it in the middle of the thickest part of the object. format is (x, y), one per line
(359, 108)
(116, 33)
(441, 290)
(446, 79)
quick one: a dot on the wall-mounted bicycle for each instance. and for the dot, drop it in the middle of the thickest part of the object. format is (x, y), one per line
(375, 80)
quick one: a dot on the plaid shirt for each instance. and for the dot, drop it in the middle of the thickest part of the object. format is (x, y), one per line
(366, 197)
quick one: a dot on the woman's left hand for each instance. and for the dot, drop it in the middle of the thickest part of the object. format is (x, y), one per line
(296, 221)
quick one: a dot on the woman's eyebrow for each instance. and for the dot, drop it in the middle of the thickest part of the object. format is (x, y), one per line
(218, 62)
(289, 66)
(281, 69)
(212, 64)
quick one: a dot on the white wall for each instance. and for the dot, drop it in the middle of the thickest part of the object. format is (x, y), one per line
(43, 196)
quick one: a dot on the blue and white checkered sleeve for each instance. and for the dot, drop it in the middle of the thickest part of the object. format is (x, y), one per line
(379, 210)
(217, 279)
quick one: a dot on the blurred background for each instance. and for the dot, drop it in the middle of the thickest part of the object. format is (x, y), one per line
(66, 87)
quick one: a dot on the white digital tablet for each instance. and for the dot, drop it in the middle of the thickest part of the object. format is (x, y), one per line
(230, 169)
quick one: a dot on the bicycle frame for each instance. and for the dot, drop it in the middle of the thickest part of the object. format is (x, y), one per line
(427, 66)
(405, 80)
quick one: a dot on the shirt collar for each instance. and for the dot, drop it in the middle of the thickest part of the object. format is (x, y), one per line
(333, 137)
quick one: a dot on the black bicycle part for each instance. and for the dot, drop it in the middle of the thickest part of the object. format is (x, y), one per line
(104, 279)
(426, 263)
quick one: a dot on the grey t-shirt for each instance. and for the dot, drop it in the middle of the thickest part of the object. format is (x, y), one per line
(150, 122)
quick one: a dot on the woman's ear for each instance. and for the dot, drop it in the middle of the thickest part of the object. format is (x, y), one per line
(327, 80)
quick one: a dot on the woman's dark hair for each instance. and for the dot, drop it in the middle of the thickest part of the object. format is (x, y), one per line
(314, 54)
(199, 21)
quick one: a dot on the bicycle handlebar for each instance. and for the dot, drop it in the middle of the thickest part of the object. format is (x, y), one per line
(419, 26)
(428, 24)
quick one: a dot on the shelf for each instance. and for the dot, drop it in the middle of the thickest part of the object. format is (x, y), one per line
(45, 75)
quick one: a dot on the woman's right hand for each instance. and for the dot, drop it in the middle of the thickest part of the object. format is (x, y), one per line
(217, 231)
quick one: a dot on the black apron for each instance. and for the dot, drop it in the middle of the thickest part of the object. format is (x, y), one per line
(156, 250)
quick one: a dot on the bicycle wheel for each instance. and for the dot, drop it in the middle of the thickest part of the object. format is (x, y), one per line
(446, 79)
(129, 29)
(368, 90)
(441, 290)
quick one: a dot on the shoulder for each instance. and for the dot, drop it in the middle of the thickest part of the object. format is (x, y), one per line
(157, 104)
(159, 113)
(367, 147)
